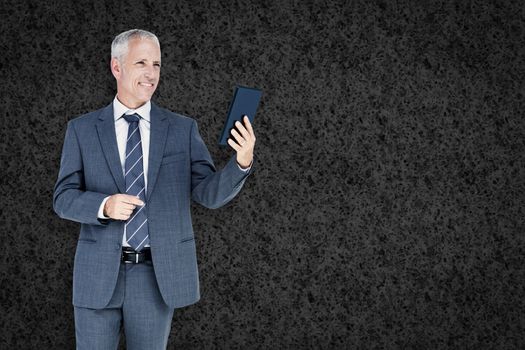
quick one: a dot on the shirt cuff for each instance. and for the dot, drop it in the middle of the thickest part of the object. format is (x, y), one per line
(100, 214)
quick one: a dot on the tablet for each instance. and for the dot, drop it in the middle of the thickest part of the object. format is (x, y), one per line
(245, 102)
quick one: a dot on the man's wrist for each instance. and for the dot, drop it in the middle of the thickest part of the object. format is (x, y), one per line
(245, 168)
(102, 211)
(105, 211)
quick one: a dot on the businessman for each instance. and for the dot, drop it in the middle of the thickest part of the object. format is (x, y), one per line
(127, 174)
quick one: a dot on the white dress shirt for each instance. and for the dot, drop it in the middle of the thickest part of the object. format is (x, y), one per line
(121, 131)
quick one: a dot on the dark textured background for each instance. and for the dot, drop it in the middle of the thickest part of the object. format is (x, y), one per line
(386, 210)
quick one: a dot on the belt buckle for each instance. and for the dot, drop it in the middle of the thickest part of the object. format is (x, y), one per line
(125, 254)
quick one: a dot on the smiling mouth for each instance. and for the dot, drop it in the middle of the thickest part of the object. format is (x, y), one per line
(146, 84)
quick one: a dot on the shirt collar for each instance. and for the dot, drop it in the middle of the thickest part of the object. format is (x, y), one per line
(119, 109)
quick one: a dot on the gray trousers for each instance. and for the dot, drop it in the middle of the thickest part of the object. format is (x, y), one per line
(136, 306)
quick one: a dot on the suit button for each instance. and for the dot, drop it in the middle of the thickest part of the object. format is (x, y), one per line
(117, 246)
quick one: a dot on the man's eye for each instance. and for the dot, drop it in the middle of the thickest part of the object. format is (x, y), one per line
(140, 62)
(158, 65)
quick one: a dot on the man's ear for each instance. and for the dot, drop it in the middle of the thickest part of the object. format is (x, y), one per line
(116, 68)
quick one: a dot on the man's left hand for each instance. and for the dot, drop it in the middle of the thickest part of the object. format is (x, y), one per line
(244, 142)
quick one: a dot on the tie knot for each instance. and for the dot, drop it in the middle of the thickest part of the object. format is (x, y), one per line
(132, 118)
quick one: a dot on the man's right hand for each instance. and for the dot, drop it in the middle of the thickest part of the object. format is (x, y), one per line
(121, 206)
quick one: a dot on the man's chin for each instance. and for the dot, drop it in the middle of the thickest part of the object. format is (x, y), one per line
(143, 99)
(147, 97)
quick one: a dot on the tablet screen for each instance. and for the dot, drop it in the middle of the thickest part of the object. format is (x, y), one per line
(245, 102)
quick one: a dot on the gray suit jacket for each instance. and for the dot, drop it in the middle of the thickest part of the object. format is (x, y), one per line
(180, 168)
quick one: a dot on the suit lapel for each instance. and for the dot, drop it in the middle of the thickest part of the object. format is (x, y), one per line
(158, 133)
(108, 141)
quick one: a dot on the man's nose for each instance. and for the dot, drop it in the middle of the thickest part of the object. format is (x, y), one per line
(150, 72)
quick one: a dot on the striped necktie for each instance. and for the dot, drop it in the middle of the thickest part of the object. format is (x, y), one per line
(136, 228)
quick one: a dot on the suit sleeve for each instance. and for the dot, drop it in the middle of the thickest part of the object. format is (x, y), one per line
(212, 188)
(70, 199)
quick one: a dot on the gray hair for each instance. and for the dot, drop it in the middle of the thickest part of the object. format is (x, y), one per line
(119, 46)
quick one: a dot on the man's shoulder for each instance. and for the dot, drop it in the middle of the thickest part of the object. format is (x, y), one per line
(173, 116)
(91, 117)
(107, 111)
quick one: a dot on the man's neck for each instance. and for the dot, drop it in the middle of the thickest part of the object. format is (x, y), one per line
(129, 105)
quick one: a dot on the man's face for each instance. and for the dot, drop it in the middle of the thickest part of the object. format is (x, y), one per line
(138, 74)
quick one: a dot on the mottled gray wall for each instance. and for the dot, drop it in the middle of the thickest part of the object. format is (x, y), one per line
(386, 210)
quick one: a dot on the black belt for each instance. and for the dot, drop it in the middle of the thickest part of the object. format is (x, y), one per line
(130, 256)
